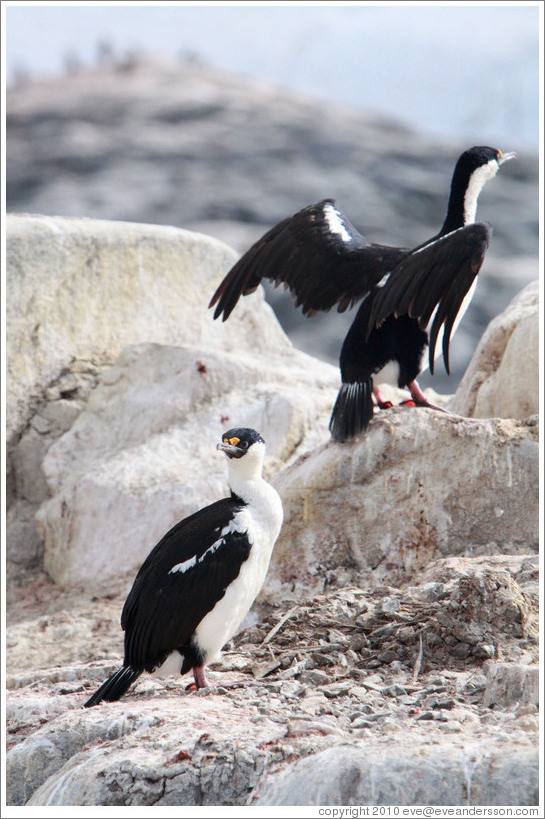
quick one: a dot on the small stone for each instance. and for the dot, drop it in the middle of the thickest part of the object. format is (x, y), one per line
(314, 677)
(336, 689)
(451, 727)
(406, 635)
(358, 692)
(528, 723)
(361, 722)
(41, 425)
(390, 725)
(461, 650)
(394, 690)
(387, 656)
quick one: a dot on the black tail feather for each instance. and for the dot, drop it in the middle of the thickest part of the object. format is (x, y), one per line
(353, 410)
(114, 687)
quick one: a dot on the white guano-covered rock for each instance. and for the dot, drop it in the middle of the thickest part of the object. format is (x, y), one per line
(502, 380)
(84, 287)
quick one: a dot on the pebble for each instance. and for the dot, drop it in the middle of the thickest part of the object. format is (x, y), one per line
(528, 723)
(336, 689)
(390, 725)
(361, 723)
(394, 690)
(314, 677)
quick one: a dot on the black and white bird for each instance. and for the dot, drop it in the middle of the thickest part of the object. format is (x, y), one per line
(412, 299)
(199, 582)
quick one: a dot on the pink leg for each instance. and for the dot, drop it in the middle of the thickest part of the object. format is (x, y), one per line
(420, 399)
(381, 399)
(200, 679)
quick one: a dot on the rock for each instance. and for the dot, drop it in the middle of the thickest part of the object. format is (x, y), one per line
(80, 287)
(339, 525)
(510, 684)
(142, 454)
(64, 386)
(502, 379)
(23, 545)
(408, 775)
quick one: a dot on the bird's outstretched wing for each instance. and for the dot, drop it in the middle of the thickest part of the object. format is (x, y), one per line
(318, 254)
(431, 283)
(180, 581)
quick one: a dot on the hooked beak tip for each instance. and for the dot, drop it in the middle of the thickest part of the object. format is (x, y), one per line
(507, 157)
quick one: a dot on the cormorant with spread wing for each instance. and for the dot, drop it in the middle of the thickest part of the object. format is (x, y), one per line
(412, 299)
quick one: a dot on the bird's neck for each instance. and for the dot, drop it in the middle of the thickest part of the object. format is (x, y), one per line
(258, 495)
(464, 192)
(245, 478)
(247, 483)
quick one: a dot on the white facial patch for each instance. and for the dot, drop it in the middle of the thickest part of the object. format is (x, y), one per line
(476, 182)
(335, 223)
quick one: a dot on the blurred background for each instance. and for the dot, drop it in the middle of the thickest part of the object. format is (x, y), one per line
(225, 119)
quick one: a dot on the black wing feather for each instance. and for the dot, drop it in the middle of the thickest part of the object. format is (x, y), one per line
(163, 609)
(320, 267)
(438, 275)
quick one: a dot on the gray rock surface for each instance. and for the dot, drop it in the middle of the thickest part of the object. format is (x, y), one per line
(413, 775)
(419, 485)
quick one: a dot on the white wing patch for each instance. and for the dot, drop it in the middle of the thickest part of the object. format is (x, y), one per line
(183, 567)
(236, 524)
(335, 223)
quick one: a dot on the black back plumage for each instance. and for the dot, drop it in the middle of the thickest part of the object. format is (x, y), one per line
(164, 608)
(423, 281)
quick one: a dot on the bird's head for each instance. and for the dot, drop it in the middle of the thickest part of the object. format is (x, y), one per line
(244, 449)
(481, 156)
(474, 168)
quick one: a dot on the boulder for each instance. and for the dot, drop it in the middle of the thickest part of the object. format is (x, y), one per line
(407, 775)
(81, 292)
(142, 454)
(419, 485)
(83, 287)
(502, 380)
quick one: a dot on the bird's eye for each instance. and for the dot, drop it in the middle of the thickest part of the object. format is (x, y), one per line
(234, 441)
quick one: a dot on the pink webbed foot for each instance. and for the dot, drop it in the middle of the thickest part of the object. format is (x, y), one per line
(420, 399)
